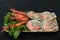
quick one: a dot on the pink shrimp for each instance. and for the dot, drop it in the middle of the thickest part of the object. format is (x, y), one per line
(17, 15)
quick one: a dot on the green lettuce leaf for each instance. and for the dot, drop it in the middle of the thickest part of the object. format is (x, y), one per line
(15, 32)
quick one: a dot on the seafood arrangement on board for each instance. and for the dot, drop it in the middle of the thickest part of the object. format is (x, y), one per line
(16, 22)
(48, 22)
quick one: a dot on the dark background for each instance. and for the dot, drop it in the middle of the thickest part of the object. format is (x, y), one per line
(35, 5)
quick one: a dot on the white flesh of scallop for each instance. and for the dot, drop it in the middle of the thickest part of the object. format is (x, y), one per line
(33, 25)
(49, 25)
(47, 15)
(33, 15)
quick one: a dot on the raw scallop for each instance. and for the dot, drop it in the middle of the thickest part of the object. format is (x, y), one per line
(34, 15)
(33, 25)
(47, 15)
(50, 26)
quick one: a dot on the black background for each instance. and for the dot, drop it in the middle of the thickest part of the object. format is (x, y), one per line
(35, 5)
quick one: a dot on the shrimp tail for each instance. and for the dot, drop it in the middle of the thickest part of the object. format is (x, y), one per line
(18, 12)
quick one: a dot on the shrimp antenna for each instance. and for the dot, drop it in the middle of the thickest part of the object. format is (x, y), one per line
(8, 5)
(1, 31)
